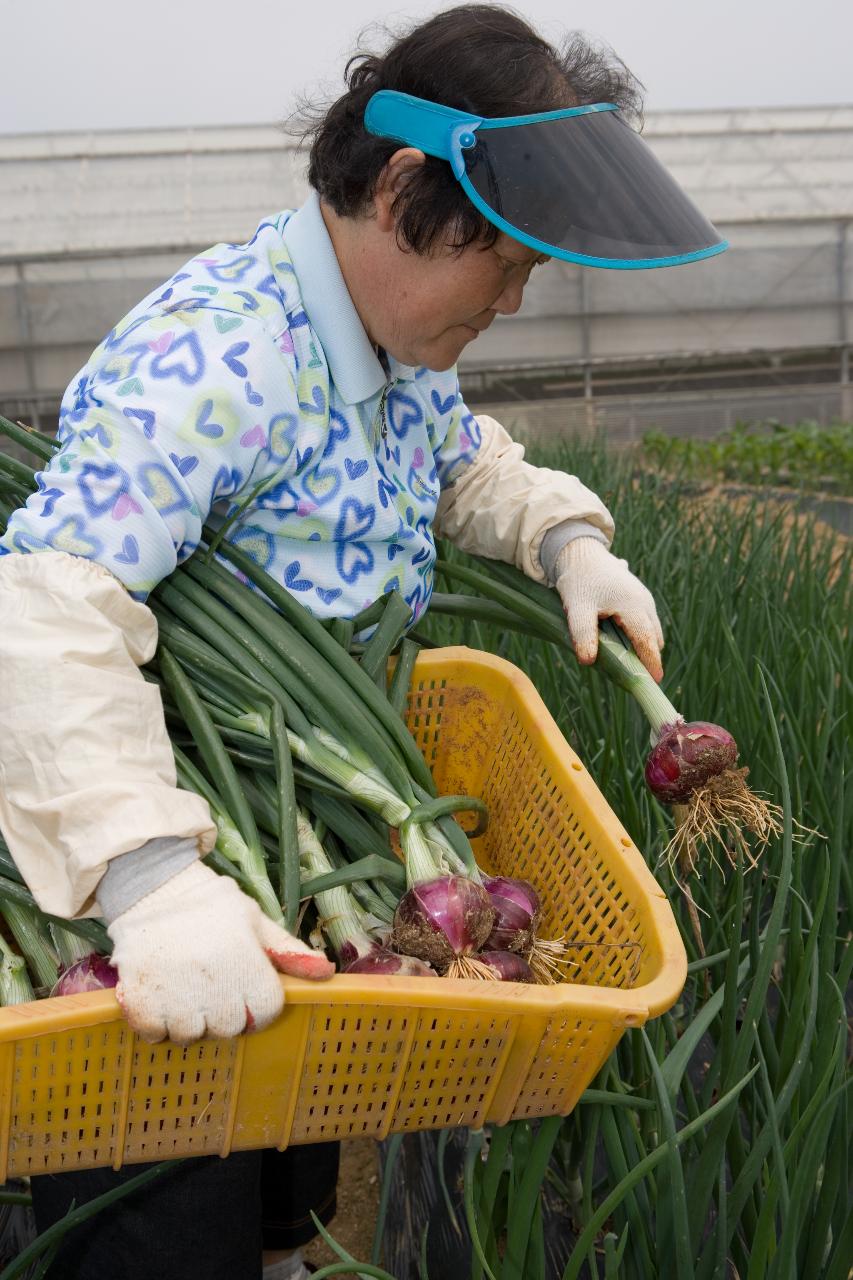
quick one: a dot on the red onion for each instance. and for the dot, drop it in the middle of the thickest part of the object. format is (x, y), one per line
(92, 973)
(379, 960)
(444, 921)
(686, 756)
(508, 966)
(517, 912)
(691, 767)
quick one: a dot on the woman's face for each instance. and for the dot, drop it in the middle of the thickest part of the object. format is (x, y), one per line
(424, 309)
(440, 304)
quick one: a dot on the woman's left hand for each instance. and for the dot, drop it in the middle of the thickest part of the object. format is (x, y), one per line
(594, 584)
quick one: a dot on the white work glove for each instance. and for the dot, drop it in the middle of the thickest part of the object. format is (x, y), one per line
(594, 584)
(198, 957)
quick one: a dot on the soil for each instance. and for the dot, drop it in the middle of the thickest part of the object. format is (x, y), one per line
(793, 520)
(800, 510)
(358, 1204)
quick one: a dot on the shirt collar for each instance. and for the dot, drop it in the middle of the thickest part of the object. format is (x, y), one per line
(353, 363)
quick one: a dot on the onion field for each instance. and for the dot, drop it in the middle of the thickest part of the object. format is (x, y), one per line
(715, 1143)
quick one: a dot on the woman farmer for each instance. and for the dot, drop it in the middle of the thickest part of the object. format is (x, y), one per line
(308, 378)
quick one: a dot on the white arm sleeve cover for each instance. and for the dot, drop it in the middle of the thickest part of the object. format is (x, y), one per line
(86, 767)
(501, 506)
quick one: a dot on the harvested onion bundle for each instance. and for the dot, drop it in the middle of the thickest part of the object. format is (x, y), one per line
(517, 914)
(445, 921)
(450, 914)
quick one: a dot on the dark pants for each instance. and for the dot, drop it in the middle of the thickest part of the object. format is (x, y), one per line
(207, 1220)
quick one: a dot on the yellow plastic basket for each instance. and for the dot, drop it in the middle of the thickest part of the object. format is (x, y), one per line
(362, 1056)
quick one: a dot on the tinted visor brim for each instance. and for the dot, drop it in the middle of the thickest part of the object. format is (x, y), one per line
(586, 188)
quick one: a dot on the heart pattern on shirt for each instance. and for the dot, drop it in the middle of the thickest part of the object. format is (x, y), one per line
(213, 397)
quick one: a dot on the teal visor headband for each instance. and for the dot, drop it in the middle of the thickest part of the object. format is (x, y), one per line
(577, 184)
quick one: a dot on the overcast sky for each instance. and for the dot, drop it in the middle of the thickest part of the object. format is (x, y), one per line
(90, 64)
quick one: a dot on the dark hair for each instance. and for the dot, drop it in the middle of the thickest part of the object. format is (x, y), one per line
(481, 58)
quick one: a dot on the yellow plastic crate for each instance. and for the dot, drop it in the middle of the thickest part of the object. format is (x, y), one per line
(365, 1057)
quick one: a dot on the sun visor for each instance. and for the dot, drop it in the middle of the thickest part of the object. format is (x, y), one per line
(578, 184)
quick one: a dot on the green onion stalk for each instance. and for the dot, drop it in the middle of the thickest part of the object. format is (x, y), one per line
(346, 766)
(429, 854)
(70, 947)
(29, 929)
(326, 724)
(15, 985)
(247, 861)
(237, 833)
(361, 857)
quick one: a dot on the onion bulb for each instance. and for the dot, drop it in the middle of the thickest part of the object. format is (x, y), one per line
(685, 757)
(508, 966)
(517, 912)
(445, 922)
(382, 961)
(92, 973)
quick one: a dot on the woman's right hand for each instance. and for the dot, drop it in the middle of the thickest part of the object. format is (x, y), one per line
(198, 957)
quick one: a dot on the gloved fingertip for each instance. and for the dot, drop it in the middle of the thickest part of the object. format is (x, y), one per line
(187, 1030)
(651, 661)
(183, 1040)
(584, 639)
(296, 964)
(149, 1030)
(267, 1002)
(151, 1035)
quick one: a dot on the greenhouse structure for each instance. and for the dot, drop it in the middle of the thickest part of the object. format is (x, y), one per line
(90, 222)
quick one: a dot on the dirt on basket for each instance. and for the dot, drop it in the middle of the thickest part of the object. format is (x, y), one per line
(358, 1203)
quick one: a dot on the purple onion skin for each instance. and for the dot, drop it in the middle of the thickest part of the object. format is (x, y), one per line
(686, 756)
(354, 950)
(440, 920)
(384, 963)
(517, 911)
(92, 973)
(507, 966)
